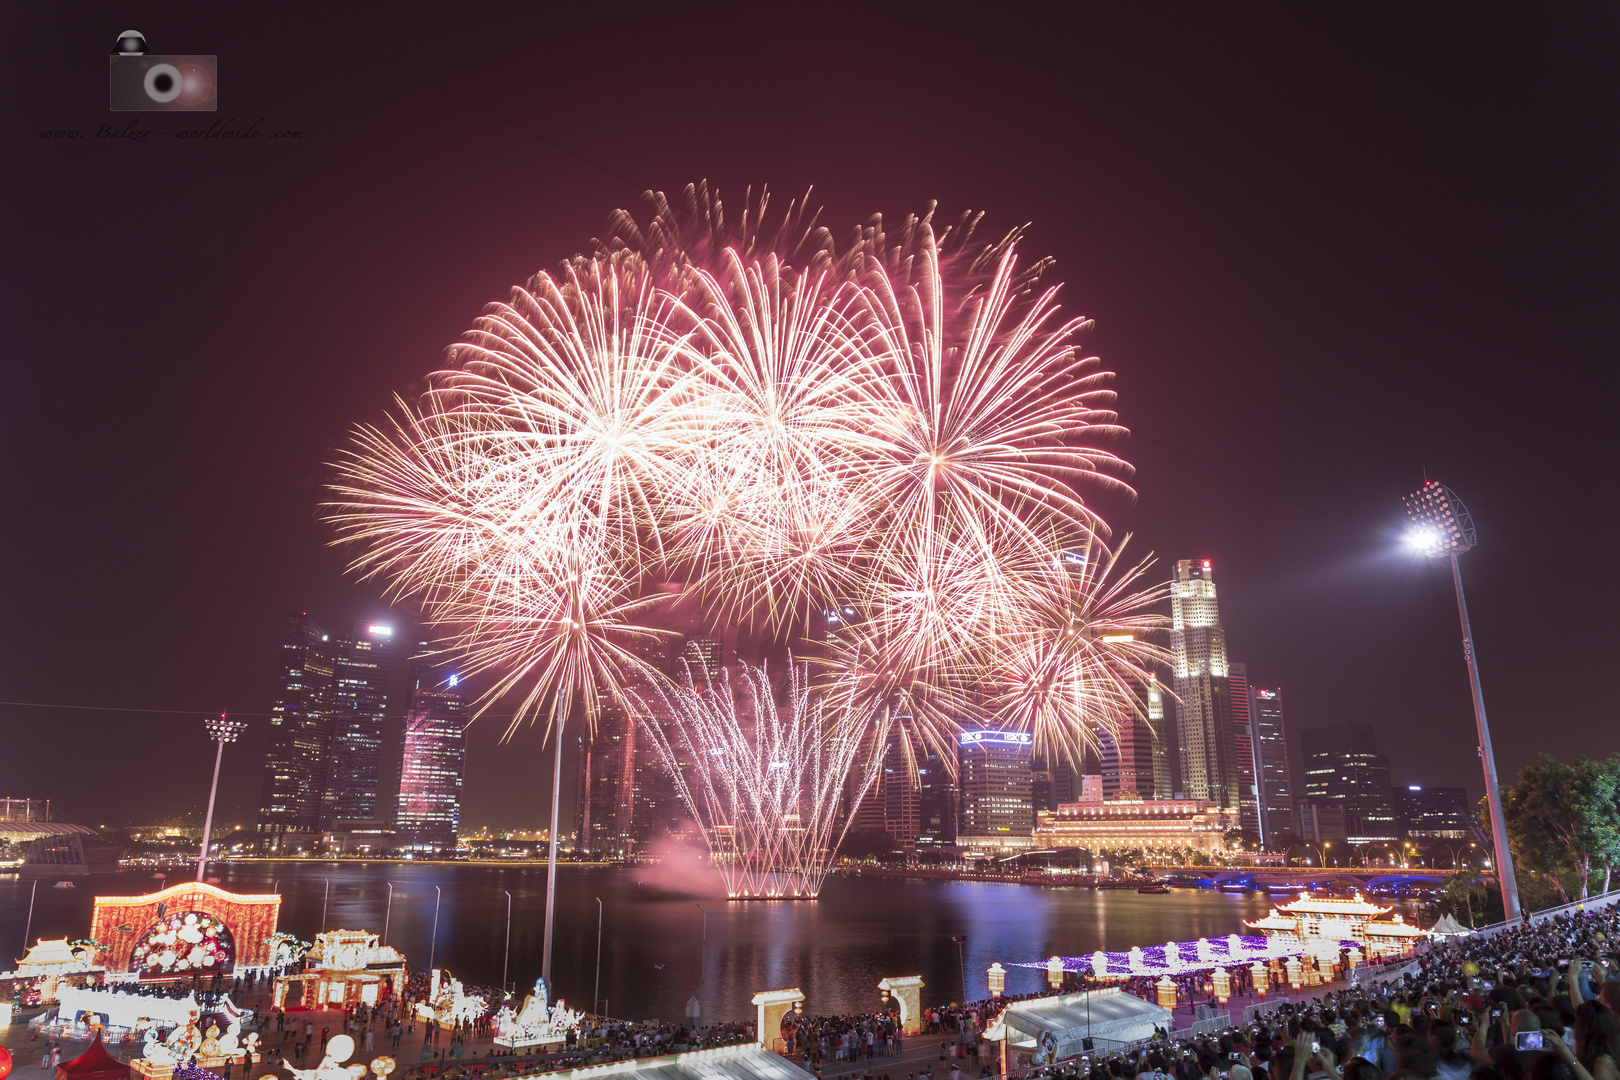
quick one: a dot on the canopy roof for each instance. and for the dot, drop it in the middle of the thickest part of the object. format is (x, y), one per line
(94, 1064)
(1109, 1014)
(749, 1061)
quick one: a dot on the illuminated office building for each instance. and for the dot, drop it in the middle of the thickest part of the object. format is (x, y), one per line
(994, 789)
(433, 761)
(1127, 762)
(1237, 693)
(1207, 749)
(300, 733)
(1344, 770)
(361, 666)
(1277, 791)
(1160, 742)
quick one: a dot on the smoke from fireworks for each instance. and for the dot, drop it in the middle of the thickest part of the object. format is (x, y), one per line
(900, 426)
(763, 783)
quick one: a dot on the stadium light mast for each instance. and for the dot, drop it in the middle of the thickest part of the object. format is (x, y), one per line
(222, 730)
(1442, 528)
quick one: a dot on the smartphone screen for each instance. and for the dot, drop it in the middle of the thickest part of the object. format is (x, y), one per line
(1529, 1040)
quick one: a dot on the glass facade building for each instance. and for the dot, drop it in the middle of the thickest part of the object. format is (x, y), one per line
(1275, 774)
(1204, 728)
(994, 788)
(1237, 692)
(362, 665)
(1343, 769)
(300, 732)
(432, 762)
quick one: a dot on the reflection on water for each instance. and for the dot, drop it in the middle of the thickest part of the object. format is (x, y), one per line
(835, 949)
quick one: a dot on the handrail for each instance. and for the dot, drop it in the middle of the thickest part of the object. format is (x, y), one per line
(1590, 903)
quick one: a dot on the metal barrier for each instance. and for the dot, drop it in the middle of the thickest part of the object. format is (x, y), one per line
(1591, 903)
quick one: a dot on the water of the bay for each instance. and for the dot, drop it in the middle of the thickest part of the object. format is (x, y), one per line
(835, 949)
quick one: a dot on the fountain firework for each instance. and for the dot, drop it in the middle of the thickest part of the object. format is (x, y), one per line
(766, 780)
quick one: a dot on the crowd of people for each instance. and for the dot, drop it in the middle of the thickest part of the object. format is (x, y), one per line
(1539, 1002)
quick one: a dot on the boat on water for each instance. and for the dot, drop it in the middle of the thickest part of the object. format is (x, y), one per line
(64, 885)
(1155, 888)
(1234, 886)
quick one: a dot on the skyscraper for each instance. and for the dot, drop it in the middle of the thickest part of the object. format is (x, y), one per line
(1159, 739)
(623, 792)
(1344, 769)
(1277, 791)
(433, 761)
(1209, 766)
(1237, 692)
(1437, 813)
(362, 664)
(1127, 762)
(300, 733)
(993, 776)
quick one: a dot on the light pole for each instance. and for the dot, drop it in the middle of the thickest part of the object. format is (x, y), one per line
(660, 969)
(595, 993)
(703, 958)
(1444, 529)
(551, 859)
(388, 912)
(506, 955)
(222, 731)
(961, 939)
(433, 945)
(326, 894)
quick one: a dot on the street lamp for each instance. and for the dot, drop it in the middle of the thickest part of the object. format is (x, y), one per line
(1444, 529)
(222, 730)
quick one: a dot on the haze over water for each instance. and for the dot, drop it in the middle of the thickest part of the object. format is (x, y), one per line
(835, 949)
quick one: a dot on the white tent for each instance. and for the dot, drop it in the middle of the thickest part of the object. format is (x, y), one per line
(1449, 927)
(1054, 1028)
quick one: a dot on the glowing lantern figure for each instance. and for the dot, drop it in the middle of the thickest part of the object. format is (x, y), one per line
(1054, 972)
(1258, 970)
(1295, 975)
(1223, 984)
(998, 979)
(1166, 987)
(1099, 964)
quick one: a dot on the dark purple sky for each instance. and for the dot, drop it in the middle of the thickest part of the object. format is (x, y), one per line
(1324, 250)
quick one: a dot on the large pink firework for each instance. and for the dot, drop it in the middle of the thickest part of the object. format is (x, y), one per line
(901, 424)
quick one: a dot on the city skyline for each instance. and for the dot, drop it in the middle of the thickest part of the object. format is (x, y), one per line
(1255, 284)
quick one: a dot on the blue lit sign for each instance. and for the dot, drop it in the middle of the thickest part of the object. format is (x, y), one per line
(454, 680)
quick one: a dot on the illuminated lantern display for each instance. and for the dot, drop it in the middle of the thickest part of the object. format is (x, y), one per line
(1222, 980)
(1258, 970)
(1054, 972)
(998, 979)
(384, 1065)
(1166, 987)
(184, 930)
(1295, 974)
(5, 1063)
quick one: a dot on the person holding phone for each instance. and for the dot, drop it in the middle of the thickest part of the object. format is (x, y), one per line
(1597, 1040)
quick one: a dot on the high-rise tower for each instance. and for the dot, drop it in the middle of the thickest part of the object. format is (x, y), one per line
(433, 760)
(1209, 768)
(362, 664)
(1277, 791)
(300, 732)
(1237, 692)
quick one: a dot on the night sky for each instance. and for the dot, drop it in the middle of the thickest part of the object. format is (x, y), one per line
(1325, 250)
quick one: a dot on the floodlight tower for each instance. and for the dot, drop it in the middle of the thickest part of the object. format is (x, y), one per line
(222, 730)
(1444, 529)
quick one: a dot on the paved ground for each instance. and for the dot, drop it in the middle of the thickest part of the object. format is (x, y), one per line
(919, 1052)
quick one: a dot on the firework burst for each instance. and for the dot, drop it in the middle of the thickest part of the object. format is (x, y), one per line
(899, 423)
